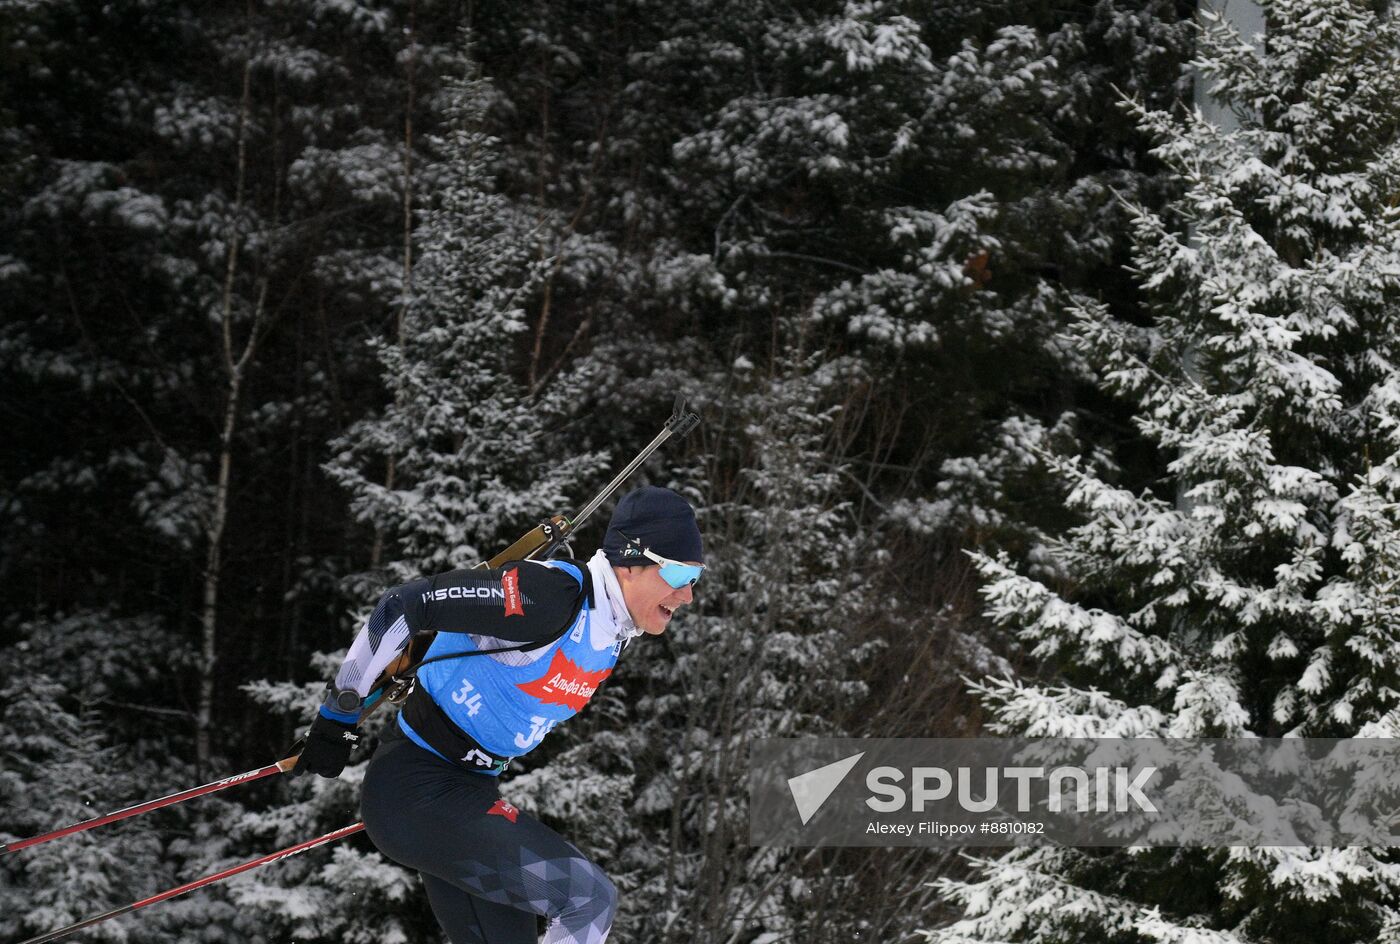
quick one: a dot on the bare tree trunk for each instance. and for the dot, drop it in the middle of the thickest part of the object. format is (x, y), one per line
(235, 369)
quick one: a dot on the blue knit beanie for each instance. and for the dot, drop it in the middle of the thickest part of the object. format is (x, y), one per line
(656, 519)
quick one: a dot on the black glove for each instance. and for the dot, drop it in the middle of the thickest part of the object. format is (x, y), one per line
(327, 749)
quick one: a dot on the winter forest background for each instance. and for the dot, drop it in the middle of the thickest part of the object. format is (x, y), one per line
(1034, 402)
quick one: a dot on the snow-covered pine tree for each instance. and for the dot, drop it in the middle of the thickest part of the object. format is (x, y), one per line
(80, 736)
(932, 180)
(469, 440)
(1248, 588)
(765, 653)
(931, 173)
(934, 176)
(154, 197)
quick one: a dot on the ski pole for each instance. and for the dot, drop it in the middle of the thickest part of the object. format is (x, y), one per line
(198, 883)
(282, 766)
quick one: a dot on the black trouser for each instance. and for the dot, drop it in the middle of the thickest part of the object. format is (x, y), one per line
(489, 868)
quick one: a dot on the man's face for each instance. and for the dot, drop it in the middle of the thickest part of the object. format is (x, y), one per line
(651, 600)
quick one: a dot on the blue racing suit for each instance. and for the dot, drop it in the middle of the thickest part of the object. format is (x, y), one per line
(431, 797)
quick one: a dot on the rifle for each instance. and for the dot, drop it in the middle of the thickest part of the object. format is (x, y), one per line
(538, 543)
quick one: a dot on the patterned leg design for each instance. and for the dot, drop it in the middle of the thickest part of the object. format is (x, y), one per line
(547, 876)
(489, 867)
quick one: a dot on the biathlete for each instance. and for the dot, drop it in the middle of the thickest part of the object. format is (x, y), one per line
(431, 797)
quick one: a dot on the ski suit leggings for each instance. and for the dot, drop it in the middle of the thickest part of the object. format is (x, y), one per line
(488, 867)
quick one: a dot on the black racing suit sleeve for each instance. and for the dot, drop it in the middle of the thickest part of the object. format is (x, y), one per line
(522, 602)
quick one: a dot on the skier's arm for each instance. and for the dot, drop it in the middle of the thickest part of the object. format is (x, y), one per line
(379, 642)
(334, 732)
(522, 602)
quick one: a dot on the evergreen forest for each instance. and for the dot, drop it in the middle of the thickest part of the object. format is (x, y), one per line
(1034, 400)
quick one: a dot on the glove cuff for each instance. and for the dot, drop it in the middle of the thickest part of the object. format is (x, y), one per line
(338, 717)
(341, 704)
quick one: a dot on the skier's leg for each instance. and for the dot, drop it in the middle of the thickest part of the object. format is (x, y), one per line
(501, 860)
(470, 920)
(584, 907)
(519, 862)
(442, 821)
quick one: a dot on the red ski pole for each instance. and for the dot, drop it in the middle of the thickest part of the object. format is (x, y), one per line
(282, 766)
(198, 883)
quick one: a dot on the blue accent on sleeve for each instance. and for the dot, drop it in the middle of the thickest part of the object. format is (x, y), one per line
(569, 569)
(341, 716)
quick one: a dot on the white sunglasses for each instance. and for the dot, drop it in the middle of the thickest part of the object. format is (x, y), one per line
(677, 574)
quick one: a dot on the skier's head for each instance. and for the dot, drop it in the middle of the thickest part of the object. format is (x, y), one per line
(654, 546)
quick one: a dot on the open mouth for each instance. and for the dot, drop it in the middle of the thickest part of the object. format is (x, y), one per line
(665, 612)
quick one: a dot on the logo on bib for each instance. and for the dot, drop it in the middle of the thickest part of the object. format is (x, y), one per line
(510, 584)
(565, 683)
(502, 808)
